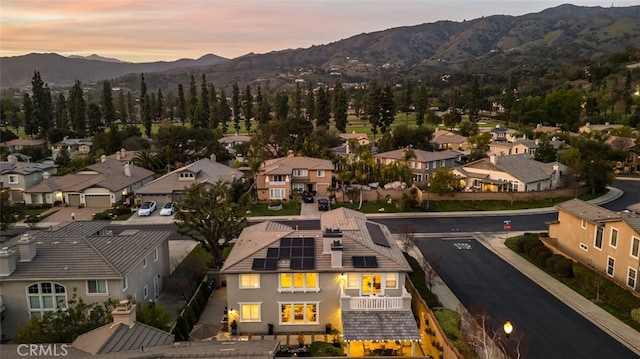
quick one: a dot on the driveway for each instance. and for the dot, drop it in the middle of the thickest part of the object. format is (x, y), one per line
(63, 214)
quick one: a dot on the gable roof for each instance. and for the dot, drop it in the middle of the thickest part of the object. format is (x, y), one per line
(23, 142)
(229, 139)
(24, 168)
(112, 338)
(521, 166)
(109, 174)
(83, 250)
(596, 214)
(420, 155)
(286, 165)
(358, 239)
(444, 136)
(205, 170)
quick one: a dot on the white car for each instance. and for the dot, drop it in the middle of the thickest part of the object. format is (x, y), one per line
(147, 208)
(168, 209)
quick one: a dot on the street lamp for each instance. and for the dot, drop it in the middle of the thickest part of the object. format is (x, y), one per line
(508, 328)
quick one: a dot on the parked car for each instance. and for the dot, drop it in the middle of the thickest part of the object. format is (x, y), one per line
(147, 208)
(307, 197)
(323, 204)
(168, 209)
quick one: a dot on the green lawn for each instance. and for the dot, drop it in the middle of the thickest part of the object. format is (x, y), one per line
(288, 209)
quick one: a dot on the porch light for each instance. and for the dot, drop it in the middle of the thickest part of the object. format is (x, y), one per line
(508, 328)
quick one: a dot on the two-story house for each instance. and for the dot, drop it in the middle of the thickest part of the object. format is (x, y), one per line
(447, 140)
(422, 163)
(74, 146)
(349, 274)
(510, 173)
(278, 177)
(19, 144)
(362, 139)
(169, 187)
(19, 176)
(607, 241)
(40, 271)
(100, 185)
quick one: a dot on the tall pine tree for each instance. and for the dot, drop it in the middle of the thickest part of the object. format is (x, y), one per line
(339, 106)
(108, 109)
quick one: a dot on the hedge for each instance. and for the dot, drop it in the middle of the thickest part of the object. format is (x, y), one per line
(564, 267)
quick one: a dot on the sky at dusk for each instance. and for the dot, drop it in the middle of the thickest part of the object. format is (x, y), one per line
(154, 30)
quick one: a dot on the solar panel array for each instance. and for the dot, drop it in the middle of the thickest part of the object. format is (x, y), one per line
(377, 235)
(299, 251)
(364, 262)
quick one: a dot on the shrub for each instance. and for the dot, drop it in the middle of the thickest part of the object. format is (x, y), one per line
(527, 242)
(551, 261)
(533, 252)
(564, 267)
(542, 256)
(635, 314)
(190, 316)
(120, 210)
(182, 329)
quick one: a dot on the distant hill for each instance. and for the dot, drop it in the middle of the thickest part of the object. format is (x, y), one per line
(57, 70)
(95, 57)
(530, 44)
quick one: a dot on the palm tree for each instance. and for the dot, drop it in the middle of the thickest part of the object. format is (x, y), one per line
(147, 159)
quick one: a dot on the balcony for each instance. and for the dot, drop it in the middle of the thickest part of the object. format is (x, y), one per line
(375, 302)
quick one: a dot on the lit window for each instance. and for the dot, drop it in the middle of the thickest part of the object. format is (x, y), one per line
(299, 313)
(371, 284)
(250, 312)
(611, 263)
(44, 297)
(97, 287)
(298, 281)
(353, 279)
(391, 280)
(631, 278)
(614, 238)
(249, 281)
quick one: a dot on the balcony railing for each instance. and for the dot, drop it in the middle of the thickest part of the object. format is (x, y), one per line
(376, 302)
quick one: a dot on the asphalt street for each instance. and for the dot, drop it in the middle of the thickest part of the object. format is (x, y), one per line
(546, 328)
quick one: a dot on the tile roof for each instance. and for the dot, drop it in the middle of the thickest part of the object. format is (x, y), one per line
(24, 168)
(587, 211)
(82, 250)
(23, 142)
(113, 338)
(109, 174)
(444, 136)
(234, 138)
(205, 170)
(379, 325)
(286, 165)
(255, 240)
(521, 166)
(421, 155)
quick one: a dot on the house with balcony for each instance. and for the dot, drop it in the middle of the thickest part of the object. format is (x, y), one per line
(100, 185)
(349, 275)
(18, 177)
(422, 163)
(606, 241)
(510, 173)
(279, 177)
(40, 271)
(169, 187)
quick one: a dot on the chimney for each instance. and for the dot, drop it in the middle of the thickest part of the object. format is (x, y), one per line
(12, 158)
(336, 253)
(123, 153)
(213, 157)
(103, 158)
(7, 261)
(27, 247)
(493, 159)
(537, 141)
(124, 313)
(127, 170)
(556, 176)
(118, 155)
(46, 175)
(290, 154)
(539, 125)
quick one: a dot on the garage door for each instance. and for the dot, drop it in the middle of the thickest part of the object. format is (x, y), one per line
(97, 200)
(74, 199)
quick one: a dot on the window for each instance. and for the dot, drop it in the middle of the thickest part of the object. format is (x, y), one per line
(426, 165)
(320, 173)
(125, 283)
(611, 264)
(583, 246)
(299, 313)
(97, 287)
(277, 178)
(433, 164)
(46, 296)
(35, 176)
(391, 280)
(614, 238)
(297, 187)
(443, 163)
(298, 281)
(371, 284)
(300, 173)
(186, 175)
(155, 255)
(276, 193)
(598, 240)
(250, 312)
(13, 179)
(353, 279)
(144, 262)
(249, 281)
(631, 278)
(635, 246)
(145, 291)
(584, 224)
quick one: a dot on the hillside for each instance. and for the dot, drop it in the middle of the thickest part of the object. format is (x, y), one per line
(500, 44)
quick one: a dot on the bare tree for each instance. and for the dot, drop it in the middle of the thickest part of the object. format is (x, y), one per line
(407, 236)
(429, 264)
(488, 341)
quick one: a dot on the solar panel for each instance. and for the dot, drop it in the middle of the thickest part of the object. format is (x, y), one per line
(364, 262)
(308, 251)
(296, 263)
(308, 263)
(309, 242)
(296, 252)
(297, 242)
(258, 263)
(285, 242)
(273, 252)
(377, 236)
(271, 264)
